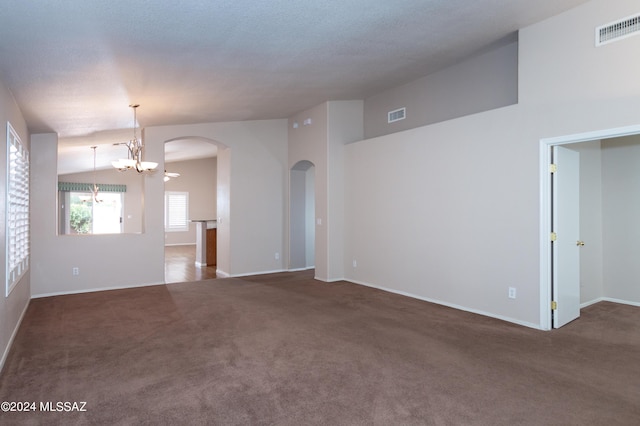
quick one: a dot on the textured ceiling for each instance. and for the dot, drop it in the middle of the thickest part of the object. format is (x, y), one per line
(75, 66)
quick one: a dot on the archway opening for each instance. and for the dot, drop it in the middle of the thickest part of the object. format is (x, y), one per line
(192, 196)
(302, 216)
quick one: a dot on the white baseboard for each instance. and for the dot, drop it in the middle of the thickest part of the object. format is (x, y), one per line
(92, 290)
(609, 299)
(451, 305)
(180, 244)
(334, 280)
(248, 274)
(591, 302)
(622, 302)
(13, 336)
(298, 269)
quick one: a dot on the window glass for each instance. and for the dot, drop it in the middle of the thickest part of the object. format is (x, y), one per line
(85, 215)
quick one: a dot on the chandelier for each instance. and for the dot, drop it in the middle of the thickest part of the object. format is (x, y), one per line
(94, 190)
(169, 175)
(134, 154)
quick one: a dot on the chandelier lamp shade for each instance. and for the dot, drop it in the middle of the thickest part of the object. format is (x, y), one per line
(169, 175)
(135, 147)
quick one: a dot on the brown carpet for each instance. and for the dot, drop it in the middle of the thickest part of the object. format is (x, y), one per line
(283, 349)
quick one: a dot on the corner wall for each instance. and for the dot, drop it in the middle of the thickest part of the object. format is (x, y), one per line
(330, 126)
(12, 307)
(251, 184)
(450, 212)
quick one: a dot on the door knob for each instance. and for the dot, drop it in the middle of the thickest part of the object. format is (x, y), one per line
(580, 243)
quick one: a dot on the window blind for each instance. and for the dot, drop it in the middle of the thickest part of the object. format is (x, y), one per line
(17, 209)
(176, 211)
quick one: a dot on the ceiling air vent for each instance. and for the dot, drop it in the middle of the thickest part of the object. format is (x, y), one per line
(618, 30)
(397, 115)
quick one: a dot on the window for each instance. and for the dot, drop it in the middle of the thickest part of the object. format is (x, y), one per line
(176, 211)
(81, 214)
(85, 216)
(17, 209)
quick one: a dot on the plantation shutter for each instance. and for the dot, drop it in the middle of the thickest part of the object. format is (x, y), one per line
(176, 211)
(17, 209)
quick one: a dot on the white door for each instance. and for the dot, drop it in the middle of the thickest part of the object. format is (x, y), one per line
(566, 225)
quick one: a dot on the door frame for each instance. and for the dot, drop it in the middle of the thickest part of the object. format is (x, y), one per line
(545, 207)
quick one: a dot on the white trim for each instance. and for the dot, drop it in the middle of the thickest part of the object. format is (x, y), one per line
(620, 301)
(13, 336)
(329, 280)
(591, 302)
(609, 299)
(545, 206)
(93, 290)
(180, 244)
(249, 274)
(332, 280)
(449, 305)
(306, 268)
(222, 274)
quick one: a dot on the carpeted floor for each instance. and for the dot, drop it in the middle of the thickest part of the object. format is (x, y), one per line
(283, 349)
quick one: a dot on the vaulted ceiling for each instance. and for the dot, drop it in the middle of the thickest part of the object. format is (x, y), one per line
(74, 66)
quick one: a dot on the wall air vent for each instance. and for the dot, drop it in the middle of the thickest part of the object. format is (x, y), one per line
(396, 115)
(618, 30)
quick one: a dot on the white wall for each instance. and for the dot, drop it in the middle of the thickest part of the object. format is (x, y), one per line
(333, 124)
(12, 307)
(309, 142)
(104, 261)
(251, 197)
(310, 215)
(450, 212)
(591, 221)
(621, 218)
(297, 218)
(199, 179)
(302, 216)
(485, 81)
(345, 124)
(256, 205)
(223, 195)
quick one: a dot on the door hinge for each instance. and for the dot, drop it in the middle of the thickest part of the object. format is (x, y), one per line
(554, 236)
(554, 305)
(553, 168)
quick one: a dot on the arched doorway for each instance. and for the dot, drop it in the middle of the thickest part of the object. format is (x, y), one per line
(191, 180)
(302, 216)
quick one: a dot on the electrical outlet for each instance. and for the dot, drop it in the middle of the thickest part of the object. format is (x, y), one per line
(277, 256)
(512, 292)
(75, 271)
(355, 263)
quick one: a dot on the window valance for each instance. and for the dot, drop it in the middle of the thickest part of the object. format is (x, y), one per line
(88, 187)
